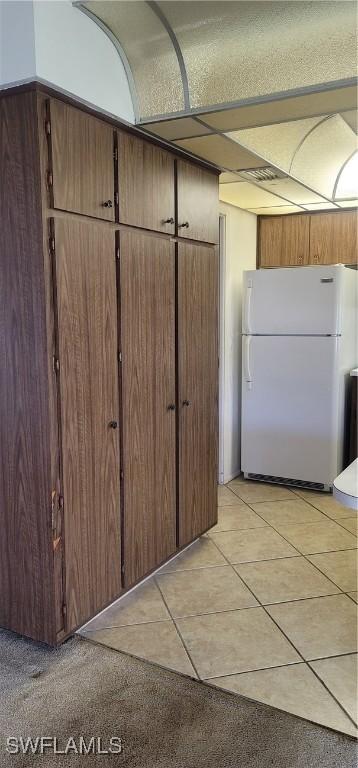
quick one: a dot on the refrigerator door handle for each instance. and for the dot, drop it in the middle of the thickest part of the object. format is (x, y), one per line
(247, 321)
(247, 367)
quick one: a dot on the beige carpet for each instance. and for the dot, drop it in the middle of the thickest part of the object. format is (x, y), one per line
(165, 720)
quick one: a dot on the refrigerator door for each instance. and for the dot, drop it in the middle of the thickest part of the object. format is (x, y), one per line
(301, 300)
(292, 407)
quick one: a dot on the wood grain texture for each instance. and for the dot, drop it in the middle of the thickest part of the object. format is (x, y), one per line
(198, 384)
(87, 326)
(334, 238)
(147, 279)
(26, 565)
(270, 241)
(82, 162)
(295, 241)
(146, 184)
(197, 203)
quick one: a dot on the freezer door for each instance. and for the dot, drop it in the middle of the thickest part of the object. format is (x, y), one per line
(301, 300)
(292, 403)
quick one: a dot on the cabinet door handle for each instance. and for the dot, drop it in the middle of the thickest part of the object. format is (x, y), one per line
(171, 407)
(187, 403)
(168, 221)
(107, 204)
(113, 424)
(185, 225)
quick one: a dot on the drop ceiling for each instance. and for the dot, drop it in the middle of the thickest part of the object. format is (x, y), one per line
(246, 86)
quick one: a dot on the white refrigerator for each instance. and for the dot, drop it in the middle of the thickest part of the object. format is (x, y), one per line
(299, 343)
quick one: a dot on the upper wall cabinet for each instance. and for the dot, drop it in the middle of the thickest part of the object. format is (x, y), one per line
(81, 162)
(284, 241)
(146, 185)
(198, 203)
(334, 238)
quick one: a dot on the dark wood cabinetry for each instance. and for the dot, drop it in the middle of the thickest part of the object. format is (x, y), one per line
(81, 169)
(108, 344)
(300, 239)
(147, 285)
(146, 184)
(197, 203)
(85, 284)
(198, 392)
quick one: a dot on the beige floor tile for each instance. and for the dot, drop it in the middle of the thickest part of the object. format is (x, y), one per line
(226, 497)
(237, 641)
(354, 596)
(158, 642)
(144, 604)
(252, 492)
(294, 689)
(212, 590)
(201, 554)
(326, 503)
(255, 544)
(310, 538)
(236, 480)
(288, 511)
(351, 524)
(340, 676)
(237, 517)
(340, 567)
(323, 626)
(276, 581)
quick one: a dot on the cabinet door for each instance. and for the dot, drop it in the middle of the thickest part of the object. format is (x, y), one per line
(198, 389)
(270, 241)
(284, 241)
(295, 240)
(198, 203)
(146, 184)
(334, 238)
(82, 162)
(147, 285)
(88, 384)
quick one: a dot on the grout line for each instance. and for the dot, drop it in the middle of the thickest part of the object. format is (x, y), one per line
(179, 633)
(123, 626)
(297, 651)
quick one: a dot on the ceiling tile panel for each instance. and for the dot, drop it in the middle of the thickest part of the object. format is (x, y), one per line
(247, 195)
(246, 49)
(319, 206)
(347, 203)
(283, 110)
(292, 191)
(219, 150)
(278, 210)
(351, 118)
(177, 129)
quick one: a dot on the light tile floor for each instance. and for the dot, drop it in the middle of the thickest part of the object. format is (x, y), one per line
(264, 605)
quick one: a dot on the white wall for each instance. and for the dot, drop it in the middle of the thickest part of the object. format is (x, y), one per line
(55, 42)
(239, 254)
(17, 41)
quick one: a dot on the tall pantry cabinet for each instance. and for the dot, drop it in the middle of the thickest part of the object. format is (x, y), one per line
(109, 359)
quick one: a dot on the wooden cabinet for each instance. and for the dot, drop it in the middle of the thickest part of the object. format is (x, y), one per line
(197, 203)
(334, 238)
(146, 184)
(147, 321)
(81, 161)
(284, 241)
(85, 272)
(197, 389)
(109, 362)
(301, 239)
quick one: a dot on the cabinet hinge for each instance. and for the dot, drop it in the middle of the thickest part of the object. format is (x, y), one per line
(122, 569)
(117, 254)
(121, 474)
(52, 245)
(115, 154)
(47, 127)
(49, 179)
(64, 610)
(56, 368)
(116, 198)
(119, 356)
